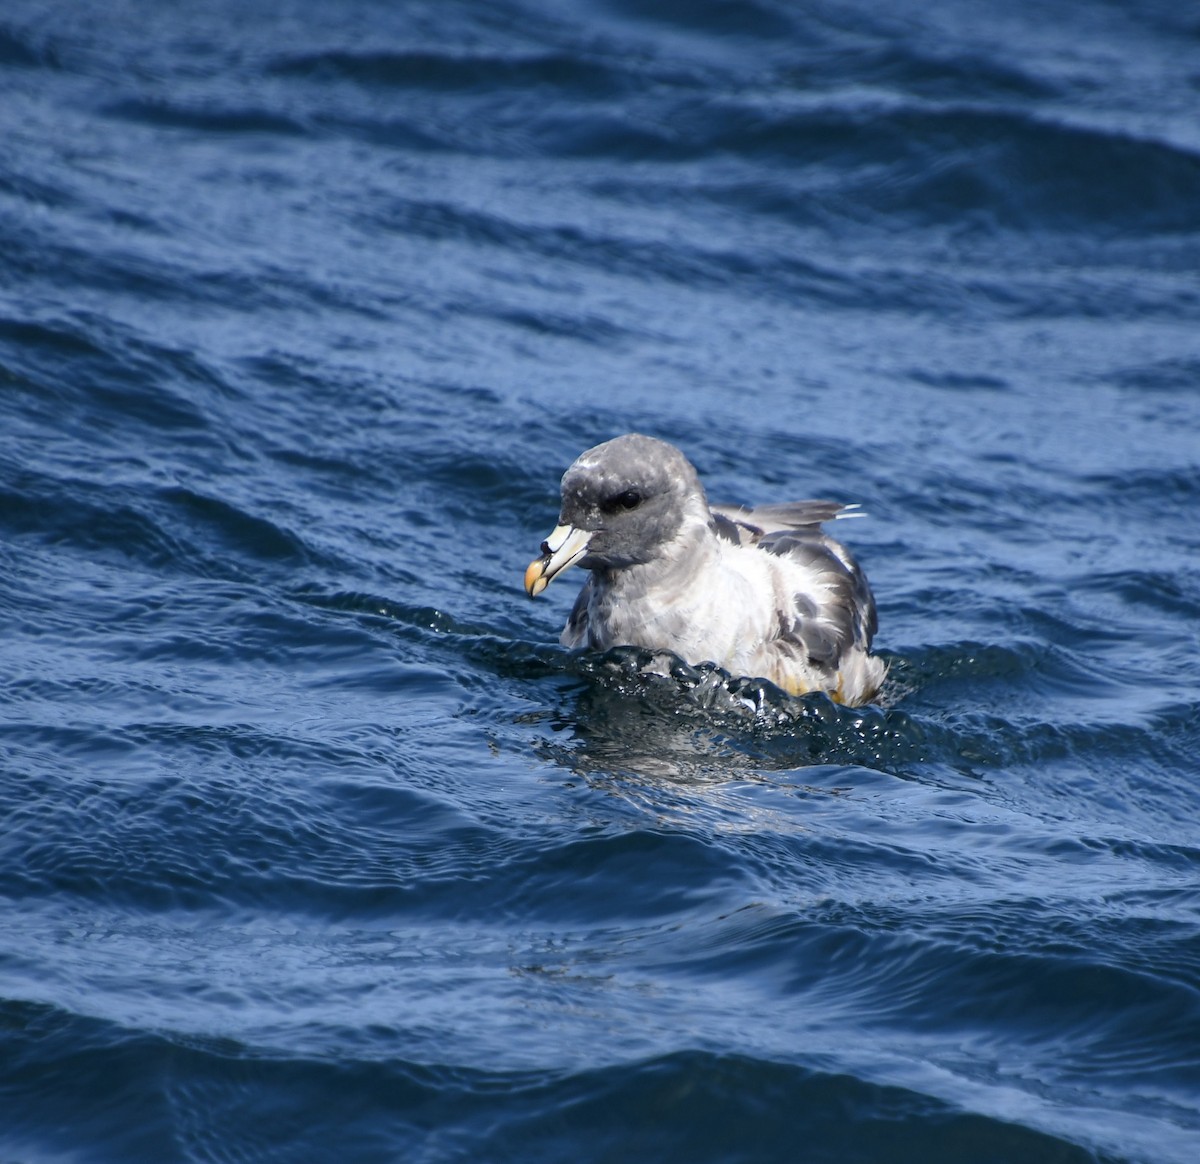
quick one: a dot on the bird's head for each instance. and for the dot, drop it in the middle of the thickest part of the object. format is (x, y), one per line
(622, 502)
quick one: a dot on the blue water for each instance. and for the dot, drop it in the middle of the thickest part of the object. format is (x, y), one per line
(316, 846)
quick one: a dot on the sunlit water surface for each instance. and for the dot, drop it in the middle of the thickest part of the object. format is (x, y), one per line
(316, 846)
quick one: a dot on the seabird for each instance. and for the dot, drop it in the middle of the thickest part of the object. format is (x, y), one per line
(761, 592)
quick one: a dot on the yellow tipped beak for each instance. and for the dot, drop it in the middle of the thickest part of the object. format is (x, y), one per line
(535, 577)
(565, 546)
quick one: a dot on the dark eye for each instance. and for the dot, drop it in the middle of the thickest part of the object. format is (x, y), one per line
(630, 499)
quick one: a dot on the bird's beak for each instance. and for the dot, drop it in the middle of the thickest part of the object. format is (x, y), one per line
(565, 546)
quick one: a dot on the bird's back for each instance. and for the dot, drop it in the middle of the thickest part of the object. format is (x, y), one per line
(779, 598)
(827, 616)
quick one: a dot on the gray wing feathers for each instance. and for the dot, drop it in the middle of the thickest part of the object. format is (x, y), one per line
(746, 526)
(838, 613)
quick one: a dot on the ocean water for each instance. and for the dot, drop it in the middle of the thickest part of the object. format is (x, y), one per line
(315, 844)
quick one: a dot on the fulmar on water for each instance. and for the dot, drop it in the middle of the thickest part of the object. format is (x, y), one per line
(760, 592)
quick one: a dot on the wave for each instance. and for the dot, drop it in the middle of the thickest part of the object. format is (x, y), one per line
(171, 531)
(207, 118)
(920, 151)
(569, 75)
(196, 1096)
(25, 50)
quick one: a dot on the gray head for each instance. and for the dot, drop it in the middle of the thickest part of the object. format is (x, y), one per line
(621, 502)
(632, 495)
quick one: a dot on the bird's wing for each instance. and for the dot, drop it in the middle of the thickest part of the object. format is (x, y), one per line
(747, 526)
(832, 608)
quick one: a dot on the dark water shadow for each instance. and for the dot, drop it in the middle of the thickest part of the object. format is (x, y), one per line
(651, 714)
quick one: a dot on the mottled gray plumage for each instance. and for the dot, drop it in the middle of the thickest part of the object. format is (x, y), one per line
(761, 592)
